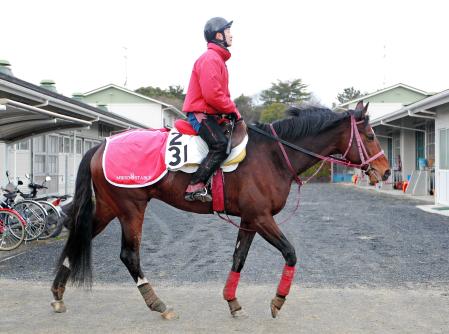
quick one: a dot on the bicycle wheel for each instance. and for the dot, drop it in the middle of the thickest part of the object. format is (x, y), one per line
(12, 230)
(35, 217)
(53, 226)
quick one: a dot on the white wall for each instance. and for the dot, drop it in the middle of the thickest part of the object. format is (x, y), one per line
(149, 114)
(19, 162)
(376, 110)
(2, 164)
(441, 176)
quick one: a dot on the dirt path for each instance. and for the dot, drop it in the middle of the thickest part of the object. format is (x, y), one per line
(119, 309)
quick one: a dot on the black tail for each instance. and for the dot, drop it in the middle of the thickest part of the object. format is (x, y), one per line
(79, 222)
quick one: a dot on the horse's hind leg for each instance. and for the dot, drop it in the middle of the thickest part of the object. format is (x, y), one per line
(268, 229)
(244, 240)
(103, 215)
(131, 236)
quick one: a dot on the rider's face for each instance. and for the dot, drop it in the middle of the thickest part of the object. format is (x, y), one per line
(227, 36)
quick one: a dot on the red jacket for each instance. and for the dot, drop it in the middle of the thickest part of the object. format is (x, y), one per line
(208, 88)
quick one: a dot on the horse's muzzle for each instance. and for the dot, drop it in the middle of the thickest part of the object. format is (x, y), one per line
(386, 175)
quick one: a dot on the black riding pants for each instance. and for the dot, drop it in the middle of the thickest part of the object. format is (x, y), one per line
(213, 135)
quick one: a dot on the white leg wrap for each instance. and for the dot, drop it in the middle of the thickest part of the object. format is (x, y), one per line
(141, 281)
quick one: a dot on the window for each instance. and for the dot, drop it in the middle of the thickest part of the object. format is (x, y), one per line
(23, 145)
(396, 144)
(39, 164)
(444, 148)
(79, 143)
(419, 147)
(52, 165)
(53, 142)
(39, 144)
(66, 147)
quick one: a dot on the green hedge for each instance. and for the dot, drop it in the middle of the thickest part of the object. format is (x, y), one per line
(324, 175)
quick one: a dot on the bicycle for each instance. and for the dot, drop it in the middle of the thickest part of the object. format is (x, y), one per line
(55, 214)
(12, 228)
(31, 211)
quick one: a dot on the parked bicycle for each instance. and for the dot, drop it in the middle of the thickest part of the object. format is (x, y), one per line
(31, 211)
(51, 204)
(12, 228)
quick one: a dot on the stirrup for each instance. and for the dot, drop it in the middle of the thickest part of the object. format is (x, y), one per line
(201, 195)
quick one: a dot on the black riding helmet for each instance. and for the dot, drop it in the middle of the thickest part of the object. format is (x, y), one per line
(214, 25)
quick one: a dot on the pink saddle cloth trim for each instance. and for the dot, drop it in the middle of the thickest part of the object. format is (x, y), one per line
(135, 158)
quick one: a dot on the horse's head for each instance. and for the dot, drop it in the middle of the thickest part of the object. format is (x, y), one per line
(364, 149)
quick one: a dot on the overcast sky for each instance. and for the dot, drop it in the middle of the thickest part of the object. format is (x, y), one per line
(330, 45)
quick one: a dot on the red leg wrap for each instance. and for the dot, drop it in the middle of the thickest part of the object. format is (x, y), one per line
(286, 281)
(231, 285)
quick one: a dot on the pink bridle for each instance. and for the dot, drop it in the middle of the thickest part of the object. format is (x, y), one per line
(364, 156)
(360, 146)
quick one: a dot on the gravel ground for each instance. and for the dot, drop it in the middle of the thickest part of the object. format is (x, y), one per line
(344, 237)
(368, 263)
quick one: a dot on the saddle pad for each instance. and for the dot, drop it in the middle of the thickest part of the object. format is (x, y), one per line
(135, 158)
(185, 153)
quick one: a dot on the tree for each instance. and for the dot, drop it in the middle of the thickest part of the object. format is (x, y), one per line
(348, 94)
(273, 112)
(286, 92)
(247, 109)
(174, 95)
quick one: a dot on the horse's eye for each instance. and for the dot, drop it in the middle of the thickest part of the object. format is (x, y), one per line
(370, 136)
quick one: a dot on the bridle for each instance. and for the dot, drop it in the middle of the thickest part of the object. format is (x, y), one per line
(363, 154)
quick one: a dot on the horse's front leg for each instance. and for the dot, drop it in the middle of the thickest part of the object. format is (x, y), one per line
(244, 240)
(131, 236)
(269, 230)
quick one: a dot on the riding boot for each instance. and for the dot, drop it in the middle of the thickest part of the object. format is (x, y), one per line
(217, 142)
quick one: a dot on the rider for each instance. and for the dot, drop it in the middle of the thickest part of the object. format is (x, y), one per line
(207, 98)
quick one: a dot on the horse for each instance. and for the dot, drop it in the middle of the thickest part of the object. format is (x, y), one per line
(276, 154)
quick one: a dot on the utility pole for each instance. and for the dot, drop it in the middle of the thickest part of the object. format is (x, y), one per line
(125, 55)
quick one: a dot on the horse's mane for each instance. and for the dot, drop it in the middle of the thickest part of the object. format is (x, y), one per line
(305, 121)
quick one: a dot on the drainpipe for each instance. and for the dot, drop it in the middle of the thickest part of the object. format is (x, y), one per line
(15, 158)
(74, 157)
(42, 104)
(419, 116)
(401, 127)
(425, 133)
(411, 129)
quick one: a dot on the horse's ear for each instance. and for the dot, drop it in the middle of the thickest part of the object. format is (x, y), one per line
(365, 109)
(359, 106)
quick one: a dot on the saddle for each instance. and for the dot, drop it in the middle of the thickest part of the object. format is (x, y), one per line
(194, 149)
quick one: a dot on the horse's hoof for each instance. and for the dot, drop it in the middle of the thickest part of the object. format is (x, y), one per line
(239, 314)
(169, 314)
(274, 310)
(276, 305)
(58, 306)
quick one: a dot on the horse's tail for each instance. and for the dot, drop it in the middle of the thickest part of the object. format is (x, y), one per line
(79, 221)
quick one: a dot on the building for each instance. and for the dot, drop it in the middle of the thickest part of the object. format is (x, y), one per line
(421, 130)
(129, 104)
(385, 102)
(45, 133)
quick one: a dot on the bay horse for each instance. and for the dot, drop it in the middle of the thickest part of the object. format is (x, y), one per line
(257, 190)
